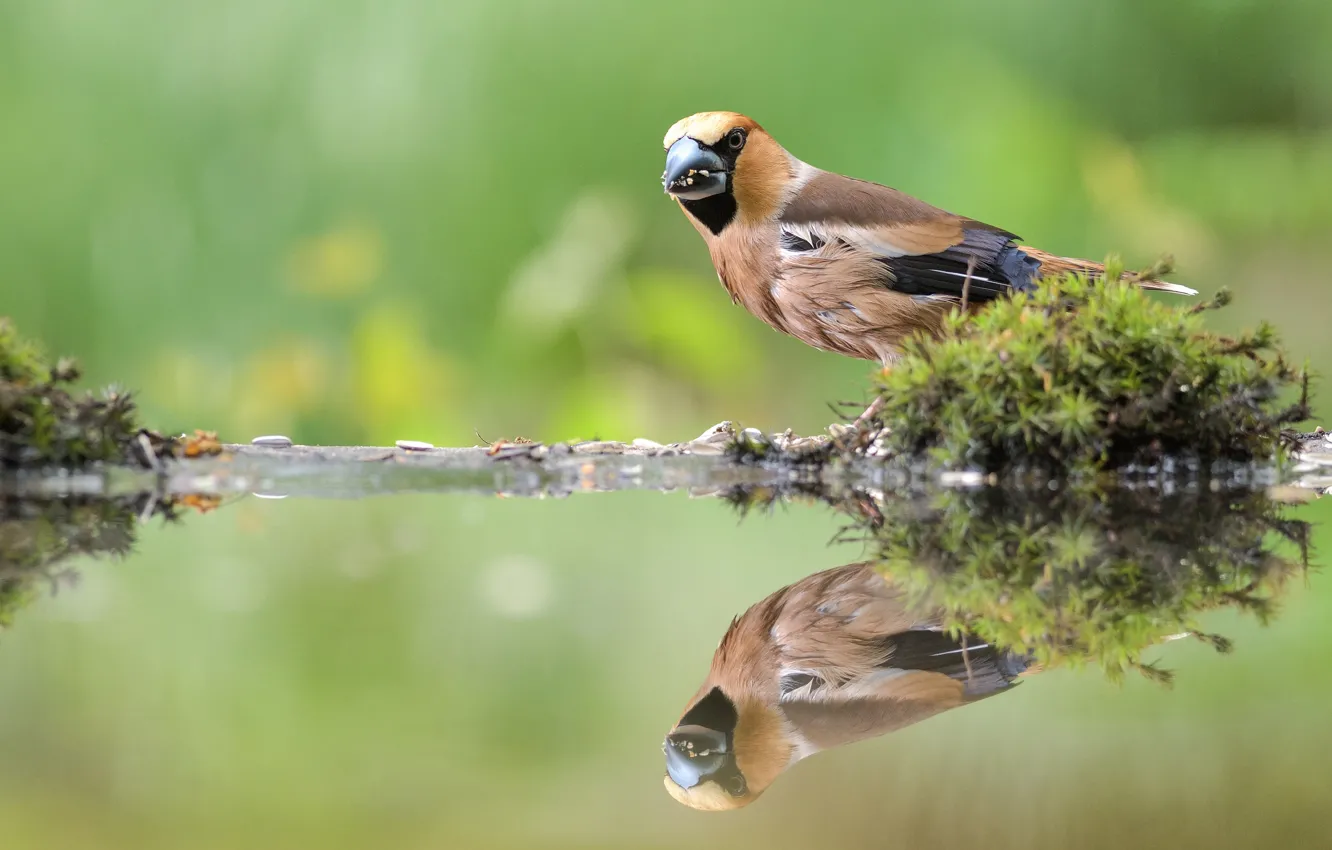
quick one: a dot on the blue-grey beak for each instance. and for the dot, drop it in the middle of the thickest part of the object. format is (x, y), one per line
(694, 754)
(693, 172)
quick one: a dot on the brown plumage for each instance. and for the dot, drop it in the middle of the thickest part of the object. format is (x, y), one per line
(842, 264)
(834, 658)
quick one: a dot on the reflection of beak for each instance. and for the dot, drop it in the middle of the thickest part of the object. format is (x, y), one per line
(693, 172)
(693, 754)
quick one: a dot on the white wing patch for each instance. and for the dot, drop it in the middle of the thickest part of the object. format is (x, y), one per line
(818, 690)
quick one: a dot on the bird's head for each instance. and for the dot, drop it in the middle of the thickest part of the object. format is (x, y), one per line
(720, 756)
(720, 165)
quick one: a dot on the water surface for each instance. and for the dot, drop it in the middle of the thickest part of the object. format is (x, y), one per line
(437, 669)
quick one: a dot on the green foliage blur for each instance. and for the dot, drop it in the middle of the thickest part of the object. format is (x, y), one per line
(358, 222)
(351, 222)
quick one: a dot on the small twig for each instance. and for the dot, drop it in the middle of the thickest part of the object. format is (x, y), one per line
(966, 285)
(966, 659)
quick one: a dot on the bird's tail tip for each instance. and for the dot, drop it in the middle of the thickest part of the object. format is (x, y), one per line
(1163, 286)
(1051, 264)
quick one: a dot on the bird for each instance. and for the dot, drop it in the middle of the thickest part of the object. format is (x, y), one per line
(837, 657)
(842, 264)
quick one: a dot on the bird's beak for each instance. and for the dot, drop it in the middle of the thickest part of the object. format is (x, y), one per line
(693, 754)
(693, 172)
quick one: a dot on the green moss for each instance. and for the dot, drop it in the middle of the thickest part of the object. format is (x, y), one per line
(44, 423)
(1076, 577)
(1083, 375)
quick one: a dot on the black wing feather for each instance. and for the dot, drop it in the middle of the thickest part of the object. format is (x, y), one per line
(997, 268)
(983, 669)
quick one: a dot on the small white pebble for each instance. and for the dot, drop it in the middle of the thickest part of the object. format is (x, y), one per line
(272, 441)
(414, 445)
(644, 443)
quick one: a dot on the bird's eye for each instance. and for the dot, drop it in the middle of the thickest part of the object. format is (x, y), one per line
(735, 140)
(736, 785)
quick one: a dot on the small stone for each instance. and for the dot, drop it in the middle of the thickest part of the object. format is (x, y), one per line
(722, 430)
(643, 443)
(414, 446)
(607, 447)
(272, 441)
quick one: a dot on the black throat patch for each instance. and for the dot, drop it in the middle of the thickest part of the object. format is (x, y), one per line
(713, 711)
(715, 211)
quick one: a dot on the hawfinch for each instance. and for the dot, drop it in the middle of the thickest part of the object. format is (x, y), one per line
(834, 658)
(839, 263)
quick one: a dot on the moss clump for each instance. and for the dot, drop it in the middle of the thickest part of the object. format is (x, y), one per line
(1084, 375)
(42, 423)
(1076, 577)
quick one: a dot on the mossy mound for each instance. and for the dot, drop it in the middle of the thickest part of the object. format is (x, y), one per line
(1084, 375)
(44, 423)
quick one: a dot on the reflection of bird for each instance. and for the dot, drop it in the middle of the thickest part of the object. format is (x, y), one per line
(829, 660)
(841, 264)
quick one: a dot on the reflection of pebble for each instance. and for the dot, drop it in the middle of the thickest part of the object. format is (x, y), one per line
(414, 446)
(272, 441)
(517, 587)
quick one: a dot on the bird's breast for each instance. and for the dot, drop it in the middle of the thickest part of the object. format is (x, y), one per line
(748, 264)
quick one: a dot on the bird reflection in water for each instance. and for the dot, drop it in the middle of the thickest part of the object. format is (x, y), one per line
(962, 600)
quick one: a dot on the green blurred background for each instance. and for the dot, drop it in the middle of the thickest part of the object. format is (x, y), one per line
(358, 222)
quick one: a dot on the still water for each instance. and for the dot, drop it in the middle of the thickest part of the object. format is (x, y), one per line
(441, 669)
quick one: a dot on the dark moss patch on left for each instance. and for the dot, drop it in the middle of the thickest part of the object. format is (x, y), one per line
(39, 537)
(45, 422)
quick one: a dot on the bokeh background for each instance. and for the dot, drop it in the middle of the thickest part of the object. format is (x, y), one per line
(358, 222)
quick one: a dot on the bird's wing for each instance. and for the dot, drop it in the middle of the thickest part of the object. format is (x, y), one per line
(856, 663)
(924, 251)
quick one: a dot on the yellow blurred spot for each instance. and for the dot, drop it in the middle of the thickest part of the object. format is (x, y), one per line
(1113, 177)
(402, 386)
(280, 382)
(692, 328)
(189, 384)
(341, 262)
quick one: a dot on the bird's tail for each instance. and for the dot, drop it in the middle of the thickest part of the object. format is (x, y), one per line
(1052, 265)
